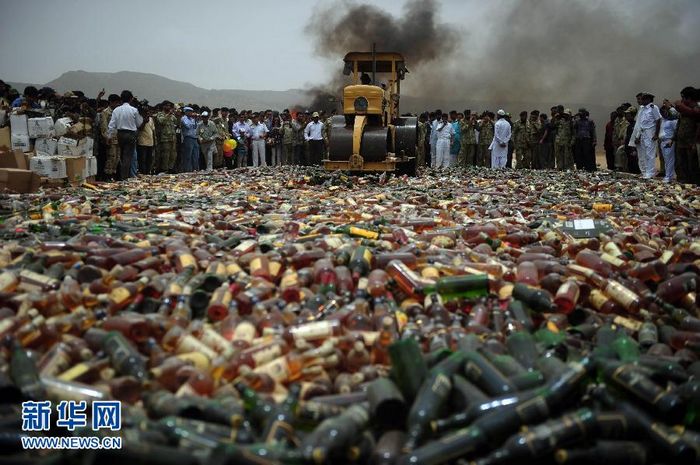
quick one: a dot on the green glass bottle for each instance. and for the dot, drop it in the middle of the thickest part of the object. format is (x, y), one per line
(464, 286)
(408, 367)
(25, 374)
(331, 440)
(124, 357)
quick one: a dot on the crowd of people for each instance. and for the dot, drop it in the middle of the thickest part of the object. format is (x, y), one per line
(137, 138)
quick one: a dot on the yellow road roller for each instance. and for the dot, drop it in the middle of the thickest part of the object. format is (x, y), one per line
(370, 135)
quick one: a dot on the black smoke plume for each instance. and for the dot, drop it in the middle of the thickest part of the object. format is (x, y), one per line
(343, 28)
(532, 52)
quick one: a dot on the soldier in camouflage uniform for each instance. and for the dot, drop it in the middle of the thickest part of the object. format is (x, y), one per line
(564, 141)
(534, 135)
(111, 144)
(468, 133)
(221, 122)
(288, 136)
(327, 125)
(166, 125)
(485, 139)
(521, 141)
(619, 135)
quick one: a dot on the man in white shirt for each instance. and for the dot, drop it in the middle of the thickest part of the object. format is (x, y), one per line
(125, 122)
(258, 131)
(444, 133)
(313, 134)
(241, 132)
(499, 145)
(645, 135)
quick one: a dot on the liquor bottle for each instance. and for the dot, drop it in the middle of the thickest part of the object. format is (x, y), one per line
(132, 325)
(631, 380)
(279, 427)
(605, 453)
(490, 429)
(467, 286)
(677, 448)
(24, 373)
(406, 279)
(485, 375)
(331, 439)
(360, 262)
(465, 395)
(543, 439)
(180, 341)
(431, 399)
(408, 367)
(325, 276)
(124, 357)
(538, 300)
(386, 404)
(388, 448)
(567, 296)
(521, 345)
(521, 314)
(218, 306)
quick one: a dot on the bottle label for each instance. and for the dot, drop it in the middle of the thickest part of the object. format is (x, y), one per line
(245, 331)
(442, 385)
(119, 295)
(216, 341)
(597, 299)
(267, 354)
(628, 323)
(354, 231)
(186, 260)
(621, 294)
(278, 369)
(255, 265)
(311, 331)
(74, 372)
(188, 343)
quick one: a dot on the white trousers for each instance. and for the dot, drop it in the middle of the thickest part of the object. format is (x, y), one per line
(442, 153)
(259, 153)
(669, 154)
(433, 156)
(499, 156)
(646, 153)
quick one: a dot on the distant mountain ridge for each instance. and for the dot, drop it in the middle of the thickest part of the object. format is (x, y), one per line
(155, 88)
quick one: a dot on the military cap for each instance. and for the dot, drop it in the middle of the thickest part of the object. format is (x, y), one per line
(315, 115)
(567, 111)
(501, 113)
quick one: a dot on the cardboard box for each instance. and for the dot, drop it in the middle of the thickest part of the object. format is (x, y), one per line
(75, 170)
(48, 167)
(67, 147)
(5, 138)
(86, 146)
(40, 127)
(20, 181)
(14, 159)
(45, 147)
(18, 125)
(90, 167)
(20, 142)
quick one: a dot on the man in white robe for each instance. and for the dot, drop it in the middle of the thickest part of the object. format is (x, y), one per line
(499, 145)
(645, 135)
(444, 133)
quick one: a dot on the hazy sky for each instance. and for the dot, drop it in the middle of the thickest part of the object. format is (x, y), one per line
(583, 50)
(209, 43)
